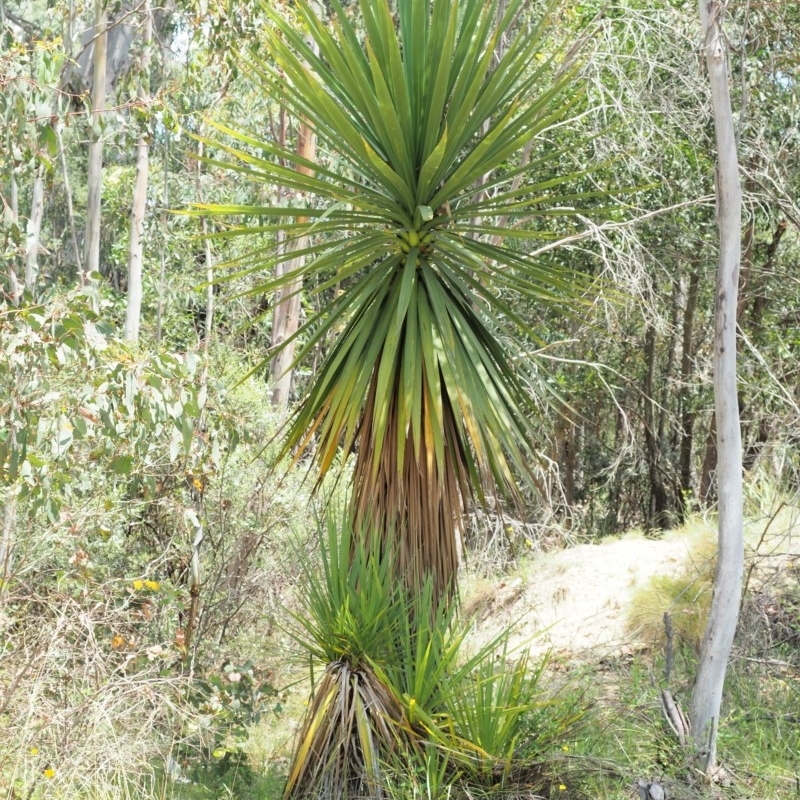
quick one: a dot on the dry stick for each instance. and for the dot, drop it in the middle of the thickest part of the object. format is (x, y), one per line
(760, 542)
(594, 229)
(674, 716)
(768, 662)
(194, 593)
(668, 631)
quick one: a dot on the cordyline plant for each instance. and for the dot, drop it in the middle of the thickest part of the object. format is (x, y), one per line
(430, 110)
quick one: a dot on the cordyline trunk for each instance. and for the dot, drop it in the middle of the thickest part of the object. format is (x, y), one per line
(133, 309)
(718, 639)
(286, 316)
(417, 506)
(91, 251)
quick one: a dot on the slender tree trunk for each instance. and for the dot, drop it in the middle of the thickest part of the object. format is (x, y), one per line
(208, 324)
(723, 616)
(162, 272)
(133, 309)
(209, 321)
(34, 230)
(657, 514)
(286, 315)
(91, 252)
(7, 536)
(14, 287)
(76, 253)
(760, 295)
(686, 410)
(708, 472)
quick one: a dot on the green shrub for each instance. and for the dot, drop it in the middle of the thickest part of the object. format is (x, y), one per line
(399, 695)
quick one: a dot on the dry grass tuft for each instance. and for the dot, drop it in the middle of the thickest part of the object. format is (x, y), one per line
(685, 595)
(85, 708)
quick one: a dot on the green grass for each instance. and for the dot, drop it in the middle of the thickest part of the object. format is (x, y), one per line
(210, 782)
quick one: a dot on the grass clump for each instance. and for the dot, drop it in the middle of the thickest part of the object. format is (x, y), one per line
(685, 594)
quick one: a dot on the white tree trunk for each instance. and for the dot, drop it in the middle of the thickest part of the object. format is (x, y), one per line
(133, 308)
(91, 250)
(14, 288)
(723, 617)
(285, 321)
(34, 230)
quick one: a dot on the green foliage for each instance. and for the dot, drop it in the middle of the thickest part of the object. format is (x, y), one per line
(110, 466)
(401, 691)
(423, 216)
(132, 420)
(505, 720)
(413, 146)
(228, 702)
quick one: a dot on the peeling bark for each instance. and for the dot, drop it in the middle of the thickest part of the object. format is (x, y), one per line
(718, 638)
(286, 316)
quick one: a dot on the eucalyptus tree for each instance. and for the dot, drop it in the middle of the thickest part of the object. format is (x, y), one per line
(133, 307)
(724, 613)
(91, 248)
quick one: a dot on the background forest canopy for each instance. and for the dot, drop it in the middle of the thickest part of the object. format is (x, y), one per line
(632, 443)
(134, 395)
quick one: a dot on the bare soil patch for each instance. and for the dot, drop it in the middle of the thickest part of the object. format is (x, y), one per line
(576, 601)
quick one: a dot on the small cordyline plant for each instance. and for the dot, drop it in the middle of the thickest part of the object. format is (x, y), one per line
(400, 691)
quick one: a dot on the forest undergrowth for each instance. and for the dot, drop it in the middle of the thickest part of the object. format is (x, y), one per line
(624, 743)
(123, 676)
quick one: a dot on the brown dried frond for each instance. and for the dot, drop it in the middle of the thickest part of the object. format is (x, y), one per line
(412, 499)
